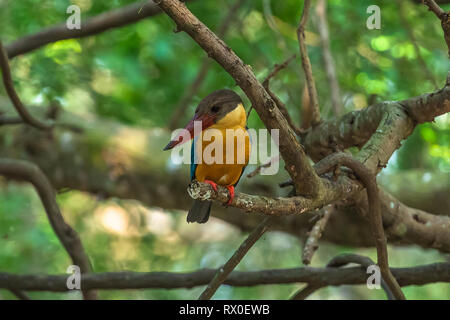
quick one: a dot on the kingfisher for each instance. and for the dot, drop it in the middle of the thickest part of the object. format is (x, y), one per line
(223, 117)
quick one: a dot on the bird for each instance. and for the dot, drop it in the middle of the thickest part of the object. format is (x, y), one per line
(222, 111)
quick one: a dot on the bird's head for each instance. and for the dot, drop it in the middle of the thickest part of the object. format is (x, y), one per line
(222, 107)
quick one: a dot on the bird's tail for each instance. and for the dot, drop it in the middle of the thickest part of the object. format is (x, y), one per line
(199, 212)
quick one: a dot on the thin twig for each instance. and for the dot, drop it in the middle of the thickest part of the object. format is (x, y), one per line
(26, 171)
(306, 63)
(19, 294)
(281, 106)
(311, 243)
(330, 68)
(17, 103)
(229, 266)
(195, 86)
(412, 37)
(305, 292)
(433, 6)
(443, 16)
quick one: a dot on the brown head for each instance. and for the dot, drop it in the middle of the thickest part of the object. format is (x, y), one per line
(210, 111)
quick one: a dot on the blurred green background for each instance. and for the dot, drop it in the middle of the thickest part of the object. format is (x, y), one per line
(136, 75)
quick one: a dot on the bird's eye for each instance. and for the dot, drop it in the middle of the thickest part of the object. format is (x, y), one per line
(215, 109)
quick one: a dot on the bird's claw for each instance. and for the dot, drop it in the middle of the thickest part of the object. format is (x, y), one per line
(231, 191)
(212, 183)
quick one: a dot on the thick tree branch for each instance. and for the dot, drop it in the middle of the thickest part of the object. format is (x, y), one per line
(357, 127)
(25, 171)
(420, 275)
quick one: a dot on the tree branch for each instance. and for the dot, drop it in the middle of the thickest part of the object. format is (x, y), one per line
(25, 171)
(232, 263)
(112, 19)
(17, 103)
(311, 243)
(376, 220)
(420, 275)
(443, 16)
(314, 100)
(281, 106)
(192, 90)
(336, 100)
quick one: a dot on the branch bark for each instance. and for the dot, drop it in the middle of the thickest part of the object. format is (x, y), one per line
(112, 19)
(420, 275)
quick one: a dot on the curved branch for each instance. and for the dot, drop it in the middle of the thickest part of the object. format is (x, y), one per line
(347, 258)
(17, 103)
(25, 171)
(376, 220)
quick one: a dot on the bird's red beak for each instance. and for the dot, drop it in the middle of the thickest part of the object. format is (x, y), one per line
(206, 121)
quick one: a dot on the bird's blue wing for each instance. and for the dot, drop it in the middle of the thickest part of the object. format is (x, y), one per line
(193, 159)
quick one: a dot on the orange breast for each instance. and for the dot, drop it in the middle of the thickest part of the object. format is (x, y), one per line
(224, 162)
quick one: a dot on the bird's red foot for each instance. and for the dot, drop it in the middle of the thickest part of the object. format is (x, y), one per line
(212, 183)
(231, 191)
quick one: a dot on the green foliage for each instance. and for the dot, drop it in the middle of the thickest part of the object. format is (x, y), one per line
(137, 74)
